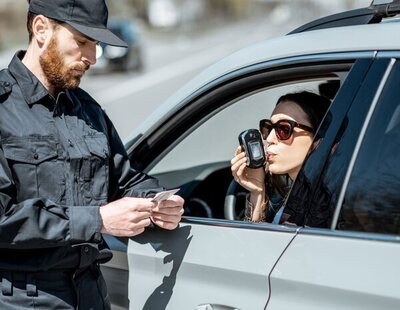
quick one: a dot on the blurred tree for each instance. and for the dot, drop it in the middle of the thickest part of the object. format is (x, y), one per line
(12, 23)
(229, 8)
(140, 7)
(123, 8)
(226, 8)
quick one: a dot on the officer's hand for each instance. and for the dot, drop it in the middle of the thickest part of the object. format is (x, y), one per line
(126, 217)
(168, 213)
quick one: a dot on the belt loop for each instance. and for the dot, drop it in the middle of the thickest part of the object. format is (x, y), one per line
(6, 286)
(31, 289)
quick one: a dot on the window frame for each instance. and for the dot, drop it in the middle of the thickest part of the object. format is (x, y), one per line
(304, 201)
(393, 65)
(194, 110)
(386, 58)
(219, 93)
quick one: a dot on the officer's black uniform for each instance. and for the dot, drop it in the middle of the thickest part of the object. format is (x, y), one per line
(60, 159)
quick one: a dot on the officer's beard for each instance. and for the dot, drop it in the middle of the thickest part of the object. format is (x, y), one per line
(58, 74)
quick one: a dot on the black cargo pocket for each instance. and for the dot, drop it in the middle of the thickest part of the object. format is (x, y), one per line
(37, 172)
(96, 172)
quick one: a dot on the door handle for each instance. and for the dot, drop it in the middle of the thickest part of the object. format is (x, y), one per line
(215, 307)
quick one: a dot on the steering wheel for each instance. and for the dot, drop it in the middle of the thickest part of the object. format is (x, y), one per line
(235, 201)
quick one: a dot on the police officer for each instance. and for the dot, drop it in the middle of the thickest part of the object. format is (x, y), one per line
(64, 174)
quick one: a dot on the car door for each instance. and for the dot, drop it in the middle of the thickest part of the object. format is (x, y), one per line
(204, 265)
(351, 261)
(212, 263)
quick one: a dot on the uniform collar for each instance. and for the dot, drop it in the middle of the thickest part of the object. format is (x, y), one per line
(31, 88)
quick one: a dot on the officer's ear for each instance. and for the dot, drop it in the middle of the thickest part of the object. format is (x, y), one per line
(42, 29)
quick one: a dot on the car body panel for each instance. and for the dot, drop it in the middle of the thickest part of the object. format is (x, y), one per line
(199, 263)
(183, 269)
(331, 268)
(330, 272)
(220, 264)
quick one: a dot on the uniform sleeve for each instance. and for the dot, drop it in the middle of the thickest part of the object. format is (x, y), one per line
(125, 180)
(40, 223)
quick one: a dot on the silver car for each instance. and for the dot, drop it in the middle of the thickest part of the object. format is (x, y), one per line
(345, 249)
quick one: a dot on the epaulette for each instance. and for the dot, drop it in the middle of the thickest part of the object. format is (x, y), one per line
(5, 83)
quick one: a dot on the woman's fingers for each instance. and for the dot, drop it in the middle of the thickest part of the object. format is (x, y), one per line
(239, 164)
(241, 170)
(238, 150)
(238, 156)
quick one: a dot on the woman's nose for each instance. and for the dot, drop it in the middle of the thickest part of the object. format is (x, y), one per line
(271, 138)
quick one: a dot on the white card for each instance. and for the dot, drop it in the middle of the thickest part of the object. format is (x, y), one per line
(164, 195)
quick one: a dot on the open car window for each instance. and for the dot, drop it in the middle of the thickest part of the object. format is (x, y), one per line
(216, 139)
(200, 163)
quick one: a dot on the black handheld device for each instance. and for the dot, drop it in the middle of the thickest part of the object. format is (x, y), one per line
(252, 144)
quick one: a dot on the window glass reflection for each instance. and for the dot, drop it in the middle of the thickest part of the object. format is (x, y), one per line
(372, 199)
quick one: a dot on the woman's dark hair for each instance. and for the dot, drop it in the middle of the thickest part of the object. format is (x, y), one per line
(315, 106)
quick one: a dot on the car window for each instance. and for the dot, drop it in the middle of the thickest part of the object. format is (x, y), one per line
(314, 197)
(372, 200)
(216, 139)
(200, 164)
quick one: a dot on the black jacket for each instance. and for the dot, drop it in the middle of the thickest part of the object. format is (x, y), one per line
(60, 159)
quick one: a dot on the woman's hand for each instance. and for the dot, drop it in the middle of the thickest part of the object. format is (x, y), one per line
(250, 179)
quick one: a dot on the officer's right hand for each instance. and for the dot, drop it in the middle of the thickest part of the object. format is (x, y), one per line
(126, 217)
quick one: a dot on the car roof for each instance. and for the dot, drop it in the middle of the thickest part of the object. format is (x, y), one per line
(371, 37)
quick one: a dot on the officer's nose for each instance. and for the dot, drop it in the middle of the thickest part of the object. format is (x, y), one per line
(89, 55)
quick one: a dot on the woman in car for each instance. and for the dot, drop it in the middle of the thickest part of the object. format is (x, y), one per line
(288, 138)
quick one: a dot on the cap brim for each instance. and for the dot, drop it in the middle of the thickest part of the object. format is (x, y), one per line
(99, 34)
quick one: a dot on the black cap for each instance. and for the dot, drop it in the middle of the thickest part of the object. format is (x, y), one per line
(89, 17)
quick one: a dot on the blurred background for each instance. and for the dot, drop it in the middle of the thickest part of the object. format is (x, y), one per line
(170, 41)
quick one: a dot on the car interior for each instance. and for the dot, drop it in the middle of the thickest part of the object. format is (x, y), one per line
(199, 164)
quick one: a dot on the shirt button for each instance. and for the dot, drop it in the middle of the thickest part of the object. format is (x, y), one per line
(70, 143)
(86, 249)
(6, 84)
(36, 156)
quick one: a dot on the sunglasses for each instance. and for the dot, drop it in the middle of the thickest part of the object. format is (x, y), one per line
(283, 128)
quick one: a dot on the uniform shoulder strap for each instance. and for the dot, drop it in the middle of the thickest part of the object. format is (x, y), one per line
(6, 82)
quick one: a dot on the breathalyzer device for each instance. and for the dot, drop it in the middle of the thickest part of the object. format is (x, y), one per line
(251, 142)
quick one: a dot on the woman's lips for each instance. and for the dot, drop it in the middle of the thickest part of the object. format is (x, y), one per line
(270, 156)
